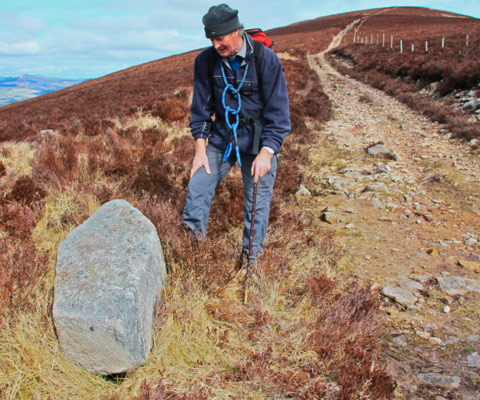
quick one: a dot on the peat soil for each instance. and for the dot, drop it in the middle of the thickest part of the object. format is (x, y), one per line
(408, 217)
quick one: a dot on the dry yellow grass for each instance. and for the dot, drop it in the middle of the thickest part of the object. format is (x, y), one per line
(50, 230)
(32, 366)
(146, 121)
(17, 157)
(286, 56)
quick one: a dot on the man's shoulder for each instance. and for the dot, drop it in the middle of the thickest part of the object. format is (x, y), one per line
(207, 52)
(270, 53)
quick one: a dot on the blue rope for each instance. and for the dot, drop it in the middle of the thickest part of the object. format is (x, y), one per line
(228, 110)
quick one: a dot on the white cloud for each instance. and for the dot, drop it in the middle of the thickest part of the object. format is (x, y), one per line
(105, 36)
(22, 23)
(20, 48)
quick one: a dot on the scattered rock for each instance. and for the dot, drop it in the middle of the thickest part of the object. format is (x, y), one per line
(471, 242)
(381, 151)
(393, 311)
(375, 187)
(399, 341)
(329, 217)
(450, 341)
(426, 217)
(421, 278)
(423, 334)
(376, 203)
(433, 252)
(45, 132)
(470, 265)
(473, 360)
(456, 285)
(473, 338)
(402, 296)
(412, 285)
(449, 382)
(109, 273)
(391, 206)
(303, 191)
(435, 341)
(446, 309)
(473, 103)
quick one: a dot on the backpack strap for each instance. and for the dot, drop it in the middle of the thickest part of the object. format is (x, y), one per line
(258, 48)
(257, 57)
(213, 57)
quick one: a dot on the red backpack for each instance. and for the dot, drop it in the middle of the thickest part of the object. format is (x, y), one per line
(258, 35)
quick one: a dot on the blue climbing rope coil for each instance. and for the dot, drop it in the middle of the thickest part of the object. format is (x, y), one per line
(230, 111)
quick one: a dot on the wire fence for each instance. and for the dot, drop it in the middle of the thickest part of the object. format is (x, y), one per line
(403, 45)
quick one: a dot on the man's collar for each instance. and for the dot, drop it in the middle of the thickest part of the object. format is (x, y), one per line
(243, 50)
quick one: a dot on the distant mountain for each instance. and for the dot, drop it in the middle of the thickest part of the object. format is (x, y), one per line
(24, 87)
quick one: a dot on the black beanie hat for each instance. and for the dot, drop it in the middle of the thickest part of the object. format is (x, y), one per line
(220, 20)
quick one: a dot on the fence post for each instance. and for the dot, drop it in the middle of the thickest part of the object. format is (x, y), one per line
(466, 41)
(391, 42)
(443, 42)
(383, 39)
(371, 38)
(413, 47)
(426, 46)
(401, 47)
(377, 38)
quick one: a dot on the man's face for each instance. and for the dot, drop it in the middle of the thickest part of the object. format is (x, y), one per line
(228, 45)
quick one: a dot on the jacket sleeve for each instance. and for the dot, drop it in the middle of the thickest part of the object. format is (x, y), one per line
(203, 105)
(276, 111)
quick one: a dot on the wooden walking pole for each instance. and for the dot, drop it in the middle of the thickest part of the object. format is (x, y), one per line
(251, 256)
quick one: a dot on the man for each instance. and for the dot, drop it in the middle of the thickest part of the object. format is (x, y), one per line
(244, 101)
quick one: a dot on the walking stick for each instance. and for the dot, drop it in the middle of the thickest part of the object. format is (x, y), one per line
(251, 257)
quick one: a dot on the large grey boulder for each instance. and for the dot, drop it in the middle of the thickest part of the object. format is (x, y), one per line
(109, 273)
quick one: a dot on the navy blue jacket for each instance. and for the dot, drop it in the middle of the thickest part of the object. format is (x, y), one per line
(271, 98)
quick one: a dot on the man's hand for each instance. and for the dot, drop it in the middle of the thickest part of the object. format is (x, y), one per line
(200, 159)
(262, 164)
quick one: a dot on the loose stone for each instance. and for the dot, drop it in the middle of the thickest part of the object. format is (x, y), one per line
(445, 381)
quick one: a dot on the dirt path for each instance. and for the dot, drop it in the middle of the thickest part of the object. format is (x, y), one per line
(408, 216)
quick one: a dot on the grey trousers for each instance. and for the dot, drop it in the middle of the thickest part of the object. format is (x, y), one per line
(201, 190)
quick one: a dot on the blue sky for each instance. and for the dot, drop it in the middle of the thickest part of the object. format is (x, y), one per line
(88, 39)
